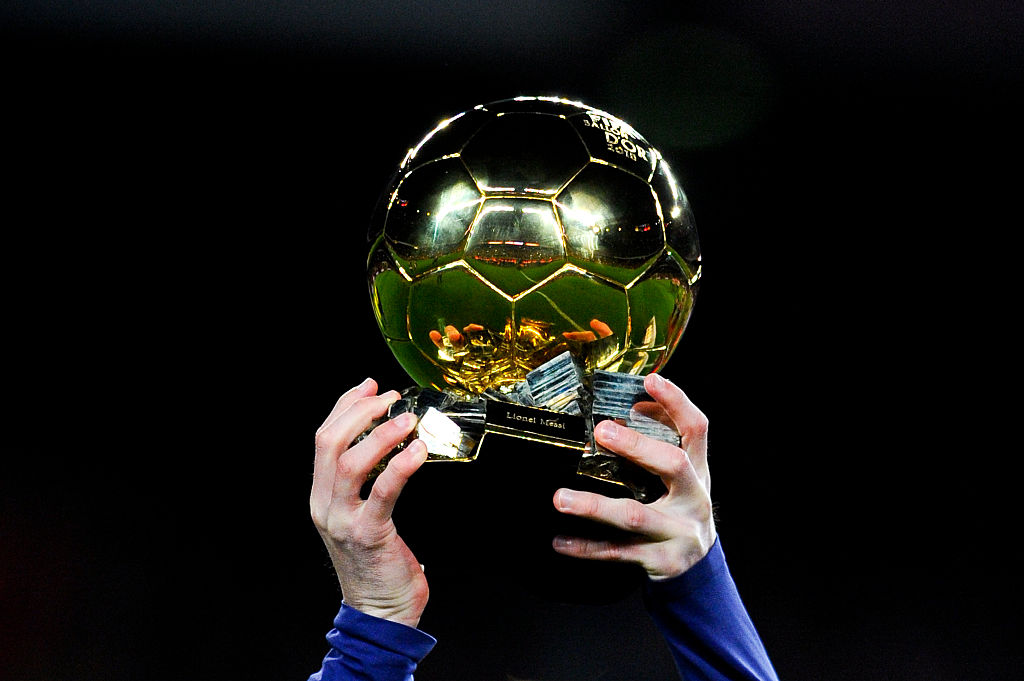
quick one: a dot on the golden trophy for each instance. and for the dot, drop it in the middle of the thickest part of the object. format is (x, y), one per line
(525, 248)
(531, 260)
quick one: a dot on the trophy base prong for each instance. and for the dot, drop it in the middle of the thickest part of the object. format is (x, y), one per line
(557, 405)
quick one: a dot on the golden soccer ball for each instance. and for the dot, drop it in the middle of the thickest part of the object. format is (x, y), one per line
(523, 228)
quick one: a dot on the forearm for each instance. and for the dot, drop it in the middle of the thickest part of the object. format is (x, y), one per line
(706, 625)
(366, 648)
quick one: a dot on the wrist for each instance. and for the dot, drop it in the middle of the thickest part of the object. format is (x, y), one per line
(404, 608)
(400, 615)
(390, 645)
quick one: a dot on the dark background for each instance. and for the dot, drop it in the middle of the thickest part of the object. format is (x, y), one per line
(185, 202)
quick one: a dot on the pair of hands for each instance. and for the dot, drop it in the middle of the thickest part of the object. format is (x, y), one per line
(380, 576)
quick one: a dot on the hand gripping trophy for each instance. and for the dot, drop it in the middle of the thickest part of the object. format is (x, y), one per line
(531, 260)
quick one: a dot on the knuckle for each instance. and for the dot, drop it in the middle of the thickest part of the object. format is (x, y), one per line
(388, 433)
(635, 516)
(323, 441)
(364, 402)
(383, 488)
(692, 544)
(381, 436)
(318, 515)
(590, 507)
(363, 406)
(398, 427)
(705, 509)
(699, 424)
(375, 436)
(346, 470)
(680, 465)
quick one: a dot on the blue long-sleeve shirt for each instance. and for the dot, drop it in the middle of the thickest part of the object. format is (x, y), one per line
(700, 613)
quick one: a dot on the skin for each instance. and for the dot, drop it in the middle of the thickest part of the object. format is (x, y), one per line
(677, 530)
(380, 576)
(378, 573)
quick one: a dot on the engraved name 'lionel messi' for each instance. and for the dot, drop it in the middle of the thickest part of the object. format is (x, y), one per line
(549, 423)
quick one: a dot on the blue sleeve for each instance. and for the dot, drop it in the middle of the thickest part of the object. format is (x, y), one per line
(706, 625)
(367, 648)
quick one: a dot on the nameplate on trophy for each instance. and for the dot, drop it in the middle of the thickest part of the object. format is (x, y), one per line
(531, 423)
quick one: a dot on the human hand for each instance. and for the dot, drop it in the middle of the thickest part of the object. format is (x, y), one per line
(378, 573)
(677, 530)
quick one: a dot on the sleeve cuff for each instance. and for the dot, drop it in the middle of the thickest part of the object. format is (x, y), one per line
(393, 637)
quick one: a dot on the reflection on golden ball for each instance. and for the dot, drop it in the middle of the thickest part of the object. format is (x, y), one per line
(523, 228)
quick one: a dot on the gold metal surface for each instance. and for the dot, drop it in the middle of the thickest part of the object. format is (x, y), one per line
(520, 229)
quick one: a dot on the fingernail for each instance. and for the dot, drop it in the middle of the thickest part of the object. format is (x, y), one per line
(657, 381)
(608, 430)
(565, 499)
(391, 396)
(421, 446)
(561, 542)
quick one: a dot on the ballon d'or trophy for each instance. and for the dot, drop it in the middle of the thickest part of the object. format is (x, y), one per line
(531, 260)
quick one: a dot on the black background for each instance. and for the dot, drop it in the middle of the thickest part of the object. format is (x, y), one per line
(185, 203)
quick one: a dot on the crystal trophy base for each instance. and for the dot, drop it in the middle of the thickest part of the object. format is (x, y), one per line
(557, 407)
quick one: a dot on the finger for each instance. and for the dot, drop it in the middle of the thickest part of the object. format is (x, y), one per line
(356, 463)
(625, 514)
(690, 421)
(335, 439)
(366, 388)
(669, 463)
(653, 410)
(593, 549)
(357, 418)
(390, 483)
(325, 456)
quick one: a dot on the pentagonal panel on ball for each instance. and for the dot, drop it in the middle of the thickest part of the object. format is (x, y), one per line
(430, 214)
(515, 243)
(522, 153)
(611, 222)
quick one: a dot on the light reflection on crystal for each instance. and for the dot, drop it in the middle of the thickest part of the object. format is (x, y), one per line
(450, 426)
